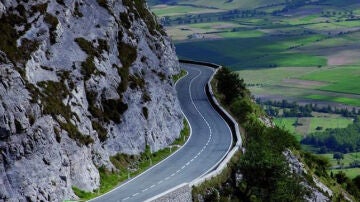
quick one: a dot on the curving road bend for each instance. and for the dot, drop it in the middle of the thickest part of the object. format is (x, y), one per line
(209, 142)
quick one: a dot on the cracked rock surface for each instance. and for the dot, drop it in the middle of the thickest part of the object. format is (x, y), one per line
(80, 81)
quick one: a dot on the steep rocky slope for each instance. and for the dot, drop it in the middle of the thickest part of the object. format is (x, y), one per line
(80, 81)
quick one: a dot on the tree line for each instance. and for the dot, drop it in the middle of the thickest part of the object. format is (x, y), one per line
(343, 140)
(293, 109)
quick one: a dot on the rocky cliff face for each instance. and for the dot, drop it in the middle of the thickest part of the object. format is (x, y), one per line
(80, 81)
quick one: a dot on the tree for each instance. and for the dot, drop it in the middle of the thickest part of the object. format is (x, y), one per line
(356, 181)
(338, 156)
(230, 85)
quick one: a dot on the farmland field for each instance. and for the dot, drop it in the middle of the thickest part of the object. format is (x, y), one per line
(308, 54)
(348, 158)
(164, 10)
(310, 124)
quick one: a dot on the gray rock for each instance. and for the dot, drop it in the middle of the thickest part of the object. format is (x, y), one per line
(40, 157)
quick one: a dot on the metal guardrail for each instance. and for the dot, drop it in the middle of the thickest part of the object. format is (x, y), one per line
(234, 127)
(226, 116)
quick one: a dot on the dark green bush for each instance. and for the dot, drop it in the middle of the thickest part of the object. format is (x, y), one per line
(39, 8)
(53, 22)
(77, 11)
(9, 36)
(113, 109)
(88, 67)
(145, 112)
(87, 47)
(61, 2)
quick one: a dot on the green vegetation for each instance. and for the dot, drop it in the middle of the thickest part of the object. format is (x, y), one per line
(138, 7)
(301, 127)
(52, 96)
(127, 55)
(178, 76)
(53, 22)
(340, 79)
(263, 166)
(349, 172)
(265, 171)
(349, 101)
(288, 124)
(111, 110)
(184, 134)
(251, 52)
(348, 163)
(9, 36)
(77, 11)
(308, 51)
(130, 166)
(88, 67)
(339, 139)
(242, 34)
(178, 10)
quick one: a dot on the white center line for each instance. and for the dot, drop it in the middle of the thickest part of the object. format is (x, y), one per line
(126, 198)
(135, 194)
(152, 186)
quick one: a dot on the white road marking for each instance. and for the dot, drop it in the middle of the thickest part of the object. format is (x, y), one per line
(126, 198)
(152, 186)
(160, 181)
(135, 194)
(172, 174)
(145, 190)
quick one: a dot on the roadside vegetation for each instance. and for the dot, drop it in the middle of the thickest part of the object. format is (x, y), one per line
(262, 173)
(263, 168)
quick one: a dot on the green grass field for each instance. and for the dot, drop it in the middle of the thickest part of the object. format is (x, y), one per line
(343, 100)
(348, 158)
(342, 79)
(280, 54)
(242, 34)
(309, 125)
(225, 4)
(180, 10)
(328, 123)
(350, 172)
(252, 52)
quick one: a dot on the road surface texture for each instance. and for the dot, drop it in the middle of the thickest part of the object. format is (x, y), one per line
(208, 144)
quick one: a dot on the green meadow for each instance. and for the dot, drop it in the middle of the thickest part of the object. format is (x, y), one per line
(309, 125)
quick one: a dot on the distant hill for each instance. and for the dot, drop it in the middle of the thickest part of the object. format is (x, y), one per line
(222, 4)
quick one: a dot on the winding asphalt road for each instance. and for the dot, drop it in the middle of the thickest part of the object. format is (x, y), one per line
(209, 142)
